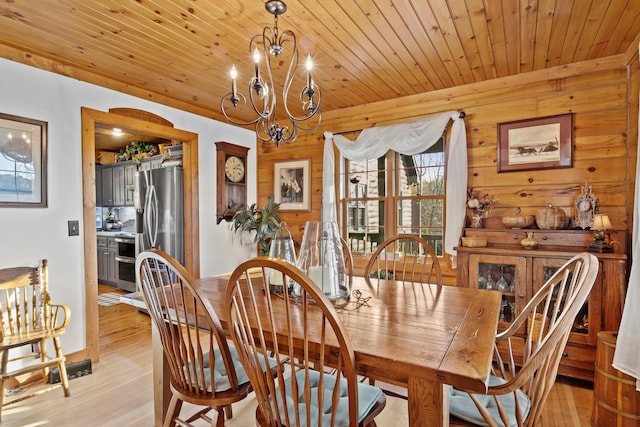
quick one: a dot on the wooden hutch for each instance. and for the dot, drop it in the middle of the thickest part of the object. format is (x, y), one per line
(504, 265)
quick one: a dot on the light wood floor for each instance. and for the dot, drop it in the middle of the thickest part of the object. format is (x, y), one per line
(119, 391)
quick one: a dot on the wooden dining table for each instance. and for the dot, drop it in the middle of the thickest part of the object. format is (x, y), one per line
(423, 336)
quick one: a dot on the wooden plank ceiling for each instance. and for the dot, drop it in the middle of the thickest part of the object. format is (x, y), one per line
(179, 52)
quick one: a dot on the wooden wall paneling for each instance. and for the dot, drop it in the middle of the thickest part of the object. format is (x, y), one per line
(600, 146)
(484, 154)
(593, 78)
(533, 197)
(582, 170)
(604, 97)
(601, 122)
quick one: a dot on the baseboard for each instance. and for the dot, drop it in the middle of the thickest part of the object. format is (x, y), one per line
(74, 370)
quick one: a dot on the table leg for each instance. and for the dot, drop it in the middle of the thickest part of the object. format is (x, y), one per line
(428, 403)
(161, 373)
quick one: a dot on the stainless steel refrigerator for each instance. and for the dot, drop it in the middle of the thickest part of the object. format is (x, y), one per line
(159, 208)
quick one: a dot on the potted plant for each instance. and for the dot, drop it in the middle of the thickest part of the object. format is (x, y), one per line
(135, 151)
(264, 221)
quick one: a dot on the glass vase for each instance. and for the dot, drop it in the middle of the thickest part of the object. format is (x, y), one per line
(476, 221)
(281, 247)
(322, 259)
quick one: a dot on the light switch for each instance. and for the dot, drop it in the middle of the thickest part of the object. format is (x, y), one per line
(74, 228)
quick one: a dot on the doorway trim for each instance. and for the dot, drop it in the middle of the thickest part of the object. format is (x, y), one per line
(90, 119)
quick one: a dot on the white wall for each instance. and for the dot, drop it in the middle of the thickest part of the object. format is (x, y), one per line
(28, 235)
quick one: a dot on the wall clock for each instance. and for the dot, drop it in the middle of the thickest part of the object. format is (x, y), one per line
(586, 205)
(231, 177)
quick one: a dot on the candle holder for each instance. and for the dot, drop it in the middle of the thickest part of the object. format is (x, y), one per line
(322, 259)
(281, 247)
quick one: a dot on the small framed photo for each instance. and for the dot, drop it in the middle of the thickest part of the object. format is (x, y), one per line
(542, 143)
(293, 185)
(23, 162)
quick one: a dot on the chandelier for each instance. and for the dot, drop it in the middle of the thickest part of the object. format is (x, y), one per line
(262, 94)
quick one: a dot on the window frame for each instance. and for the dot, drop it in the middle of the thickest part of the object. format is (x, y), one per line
(391, 198)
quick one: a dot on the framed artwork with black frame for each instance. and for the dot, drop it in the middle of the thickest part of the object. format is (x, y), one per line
(532, 144)
(293, 185)
(23, 162)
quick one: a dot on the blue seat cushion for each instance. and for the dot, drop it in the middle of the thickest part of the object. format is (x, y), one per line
(461, 405)
(367, 398)
(220, 376)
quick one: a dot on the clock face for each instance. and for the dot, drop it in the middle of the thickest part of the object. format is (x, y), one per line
(234, 169)
(584, 205)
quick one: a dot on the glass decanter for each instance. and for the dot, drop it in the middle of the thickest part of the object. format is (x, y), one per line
(502, 285)
(490, 284)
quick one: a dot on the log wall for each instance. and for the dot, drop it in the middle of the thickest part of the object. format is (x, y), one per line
(603, 95)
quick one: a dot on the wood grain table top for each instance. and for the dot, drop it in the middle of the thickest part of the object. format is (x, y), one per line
(406, 330)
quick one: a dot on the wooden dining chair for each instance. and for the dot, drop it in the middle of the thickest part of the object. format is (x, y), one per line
(527, 354)
(205, 369)
(405, 257)
(317, 386)
(28, 320)
(348, 258)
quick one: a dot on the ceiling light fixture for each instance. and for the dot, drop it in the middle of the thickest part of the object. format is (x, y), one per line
(262, 95)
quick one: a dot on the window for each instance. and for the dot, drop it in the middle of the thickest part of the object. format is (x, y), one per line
(394, 194)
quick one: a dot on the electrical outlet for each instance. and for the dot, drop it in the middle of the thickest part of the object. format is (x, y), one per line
(74, 228)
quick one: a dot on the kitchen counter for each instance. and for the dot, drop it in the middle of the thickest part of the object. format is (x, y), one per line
(118, 233)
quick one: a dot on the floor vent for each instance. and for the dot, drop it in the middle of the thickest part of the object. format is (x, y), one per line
(74, 370)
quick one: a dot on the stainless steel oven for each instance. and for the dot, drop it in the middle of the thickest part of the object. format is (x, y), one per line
(125, 263)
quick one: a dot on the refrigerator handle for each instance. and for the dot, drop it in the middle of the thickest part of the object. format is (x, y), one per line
(151, 215)
(138, 198)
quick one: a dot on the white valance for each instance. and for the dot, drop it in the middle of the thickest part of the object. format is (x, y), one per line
(406, 138)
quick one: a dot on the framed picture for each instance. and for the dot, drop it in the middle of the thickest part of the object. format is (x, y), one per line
(543, 143)
(23, 162)
(293, 185)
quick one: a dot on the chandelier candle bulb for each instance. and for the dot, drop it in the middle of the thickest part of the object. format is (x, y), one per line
(256, 63)
(309, 66)
(234, 74)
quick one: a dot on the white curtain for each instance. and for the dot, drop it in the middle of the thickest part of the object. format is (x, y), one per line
(406, 138)
(627, 355)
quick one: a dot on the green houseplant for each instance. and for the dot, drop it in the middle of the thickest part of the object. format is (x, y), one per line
(134, 150)
(264, 221)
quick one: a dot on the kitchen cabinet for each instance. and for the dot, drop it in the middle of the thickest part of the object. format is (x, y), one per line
(129, 184)
(115, 184)
(107, 250)
(106, 178)
(118, 185)
(99, 185)
(505, 266)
